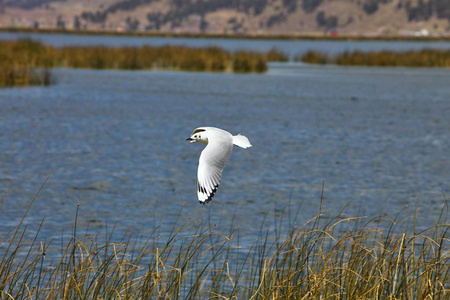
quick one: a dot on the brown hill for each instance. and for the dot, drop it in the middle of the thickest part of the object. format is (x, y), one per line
(253, 17)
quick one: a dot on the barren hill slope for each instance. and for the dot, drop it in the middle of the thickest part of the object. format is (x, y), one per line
(349, 17)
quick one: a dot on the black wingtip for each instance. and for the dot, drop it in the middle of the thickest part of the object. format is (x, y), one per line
(203, 190)
(212, 194)
(207, 200)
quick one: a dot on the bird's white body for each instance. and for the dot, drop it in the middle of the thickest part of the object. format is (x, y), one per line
(219, 145)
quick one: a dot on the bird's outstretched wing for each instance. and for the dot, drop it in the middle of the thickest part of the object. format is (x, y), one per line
(210, 167)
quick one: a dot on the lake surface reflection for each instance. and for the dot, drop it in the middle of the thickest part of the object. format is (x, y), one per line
(114, 143)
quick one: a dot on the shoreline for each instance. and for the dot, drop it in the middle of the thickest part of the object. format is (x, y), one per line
(230, 36)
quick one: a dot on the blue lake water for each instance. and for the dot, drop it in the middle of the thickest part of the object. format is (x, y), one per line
(114, 143)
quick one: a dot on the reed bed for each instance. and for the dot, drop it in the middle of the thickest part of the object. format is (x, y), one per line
(24, 63)
(341, 258)
(422, 58)
(12, 75)
(211, 59)
(28, 62)
(276, 55)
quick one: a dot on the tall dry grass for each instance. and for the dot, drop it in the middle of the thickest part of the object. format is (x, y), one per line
(341, 258)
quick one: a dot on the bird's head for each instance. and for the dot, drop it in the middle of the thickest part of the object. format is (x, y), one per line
(199, 135)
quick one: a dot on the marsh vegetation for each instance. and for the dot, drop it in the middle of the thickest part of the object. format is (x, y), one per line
(24, 63)
(337, 258)
(28, 62)
(422, 58)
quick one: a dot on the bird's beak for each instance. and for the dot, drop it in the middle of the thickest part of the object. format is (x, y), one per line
(190, 139)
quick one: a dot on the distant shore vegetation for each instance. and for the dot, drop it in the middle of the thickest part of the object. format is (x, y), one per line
(422, 58)
(29, 62)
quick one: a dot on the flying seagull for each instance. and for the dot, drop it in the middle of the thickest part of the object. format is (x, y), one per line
(219, 144)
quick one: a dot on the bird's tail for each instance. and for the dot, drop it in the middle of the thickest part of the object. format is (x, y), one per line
(241, 141)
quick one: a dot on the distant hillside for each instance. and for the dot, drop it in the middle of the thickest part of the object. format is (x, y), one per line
(333, 17)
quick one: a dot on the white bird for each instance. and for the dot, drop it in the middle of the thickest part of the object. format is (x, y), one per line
(219, 145)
